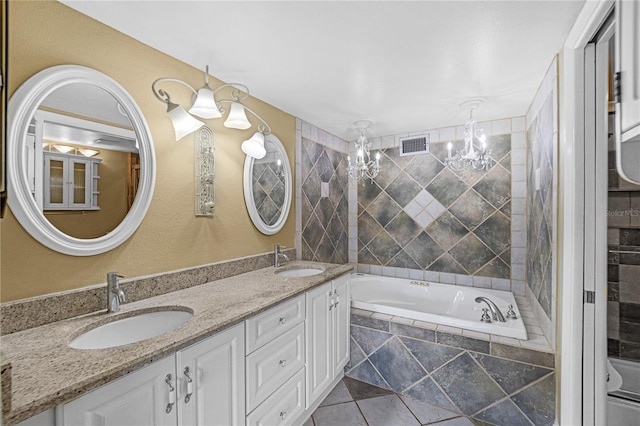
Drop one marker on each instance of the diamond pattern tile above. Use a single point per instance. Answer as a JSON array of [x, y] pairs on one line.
[[460, 221]]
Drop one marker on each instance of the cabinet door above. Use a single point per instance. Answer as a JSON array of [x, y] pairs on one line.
[[319, 341], [341, 324], [56, 182], [215, 395], [627, 59], [139, 398]]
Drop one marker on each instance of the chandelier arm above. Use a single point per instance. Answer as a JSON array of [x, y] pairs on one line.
[[235, 94], [161, 94]]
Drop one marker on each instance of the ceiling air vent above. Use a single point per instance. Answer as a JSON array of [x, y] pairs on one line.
[[412, 145]]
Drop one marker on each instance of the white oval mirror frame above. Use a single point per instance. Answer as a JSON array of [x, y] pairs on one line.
[[248, 190], [22, 106]]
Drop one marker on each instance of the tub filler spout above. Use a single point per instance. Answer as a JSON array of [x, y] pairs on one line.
[[495, 311]]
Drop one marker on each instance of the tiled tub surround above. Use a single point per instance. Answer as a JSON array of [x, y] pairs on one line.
[[36, 311], [492, 379], [422, 220], [541, 202], [445, 304], [321, 195], [46, 372]]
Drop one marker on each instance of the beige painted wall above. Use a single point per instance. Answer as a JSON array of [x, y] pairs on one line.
[[44, 34]]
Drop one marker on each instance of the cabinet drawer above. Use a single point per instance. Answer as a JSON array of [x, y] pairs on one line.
[[270, 366], [284, 407], [270, 324]]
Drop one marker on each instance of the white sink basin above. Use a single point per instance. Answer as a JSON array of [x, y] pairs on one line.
[[131, 329], [299, 272]]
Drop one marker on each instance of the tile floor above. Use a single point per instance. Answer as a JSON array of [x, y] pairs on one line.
[[354, 403]]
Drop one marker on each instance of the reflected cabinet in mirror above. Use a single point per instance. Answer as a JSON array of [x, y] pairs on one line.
[[81, 164], [267, 187]]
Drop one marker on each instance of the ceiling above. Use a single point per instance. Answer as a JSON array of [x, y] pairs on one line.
[[406, 66]]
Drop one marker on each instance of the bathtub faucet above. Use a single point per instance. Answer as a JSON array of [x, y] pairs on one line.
[[495, 311]]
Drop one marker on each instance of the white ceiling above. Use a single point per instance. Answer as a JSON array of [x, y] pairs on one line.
[[404, 65]]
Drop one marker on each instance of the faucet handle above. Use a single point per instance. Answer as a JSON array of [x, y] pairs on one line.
[[485, 315], [511, 314]]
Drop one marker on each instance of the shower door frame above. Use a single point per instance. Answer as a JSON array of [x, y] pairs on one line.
[[582, 366]]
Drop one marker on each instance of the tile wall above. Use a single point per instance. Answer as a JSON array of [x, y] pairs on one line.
[[321, 195], [541, 201], [422, 220], [510, 385], [623, 281]]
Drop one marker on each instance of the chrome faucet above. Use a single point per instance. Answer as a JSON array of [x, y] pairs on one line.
[[115, 295], [277, 254], [495, 311]]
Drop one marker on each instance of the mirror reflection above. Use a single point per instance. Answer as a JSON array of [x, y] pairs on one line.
[[82, 162], [268, 185]]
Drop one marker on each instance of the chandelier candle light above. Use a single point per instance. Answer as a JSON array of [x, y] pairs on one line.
[[364, 167], [472, 156]]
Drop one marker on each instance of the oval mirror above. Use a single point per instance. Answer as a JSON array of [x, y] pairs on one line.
[[80, 160], [267, 187]]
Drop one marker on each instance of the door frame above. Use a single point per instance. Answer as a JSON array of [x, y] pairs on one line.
[[574, 188]]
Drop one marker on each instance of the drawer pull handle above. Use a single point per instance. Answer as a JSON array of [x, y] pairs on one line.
[[283, 415], [283, 363], [172, 394], [283, 320], [187, 397]]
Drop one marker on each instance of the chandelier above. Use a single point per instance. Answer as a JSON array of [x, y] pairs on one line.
[[364, 167], [476, 155]]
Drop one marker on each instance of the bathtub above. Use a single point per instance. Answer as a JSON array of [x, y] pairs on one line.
[[433, 302], [623, 403]]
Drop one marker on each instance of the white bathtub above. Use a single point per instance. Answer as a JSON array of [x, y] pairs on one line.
[[623, 405], [433, 302]]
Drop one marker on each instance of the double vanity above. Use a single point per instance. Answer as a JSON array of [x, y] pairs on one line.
[[263, 347]]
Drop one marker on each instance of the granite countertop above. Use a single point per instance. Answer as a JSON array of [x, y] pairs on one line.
[[46, 372]]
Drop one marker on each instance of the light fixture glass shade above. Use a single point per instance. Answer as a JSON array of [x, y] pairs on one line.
[[237, 118], [254, 146], [64, 148], [88, 152], [183, 123], [205, 104]]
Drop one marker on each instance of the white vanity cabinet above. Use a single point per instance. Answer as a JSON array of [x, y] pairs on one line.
[[140, 398], [211, 380], [327, 326], [275, 364], [160, 394]]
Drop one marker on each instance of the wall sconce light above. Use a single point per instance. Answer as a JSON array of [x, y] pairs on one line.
[[206, 106], [475, 154]]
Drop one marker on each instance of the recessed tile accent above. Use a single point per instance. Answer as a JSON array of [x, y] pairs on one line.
[[446, 208], [324, 219], [370, 322], [411, 331], [544, 359], [462, 342]]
